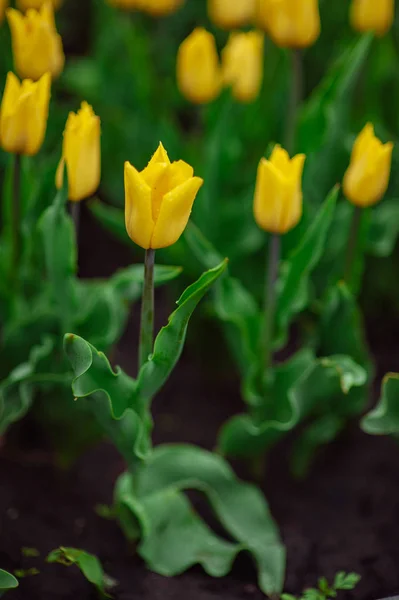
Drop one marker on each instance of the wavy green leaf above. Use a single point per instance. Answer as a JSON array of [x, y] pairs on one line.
[[7, 581], [150, 500], [169, 342], [303, 386], [384, 418]]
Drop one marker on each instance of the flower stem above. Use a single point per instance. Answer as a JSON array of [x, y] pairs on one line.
[[353, 244], [270, 298], [147, 309], [75, 214], [295, 99], [16, 214]]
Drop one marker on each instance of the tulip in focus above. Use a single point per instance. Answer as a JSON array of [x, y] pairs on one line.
[[198, 70], [81, 154], [37, 47], [3, 6], [372, 15], [230, 14], [23, 114], [367, 177], [158, 200], [278, 192], [242, 64], [36, 4], [290, 23]]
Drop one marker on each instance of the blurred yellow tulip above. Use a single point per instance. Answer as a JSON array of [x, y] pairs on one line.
[[242, 64], [3, 6], [24, 113], [198, 70], [372, 15], [229, 14], [36, 45], [159, 8], [278, 192], [290, 23], [81, 154], [158, 200], [36, 4], [367, 177]]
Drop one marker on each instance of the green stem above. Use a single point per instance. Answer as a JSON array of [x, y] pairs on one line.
[[353, 244], [147, 309], [295, 99], [75, 214], [16, 215], [270, 298]]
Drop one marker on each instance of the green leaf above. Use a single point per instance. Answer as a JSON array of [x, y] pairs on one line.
[[173, 535], [384, 418], [384, 228], [7, 581], [346, 581], [201, 247], [170, 340], [89, 565], [293, 282], [58, 234], [302, 385], [111, 396]]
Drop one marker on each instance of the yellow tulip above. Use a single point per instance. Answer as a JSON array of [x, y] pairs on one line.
[[159, 8], [23, 114], [158, 200], [81, 154], [242, 64], [367, 177], [37, 47], [36, 4], [198, 70], [278, 191], [230, 14], [290, 23], [372, 15], [3, 6]]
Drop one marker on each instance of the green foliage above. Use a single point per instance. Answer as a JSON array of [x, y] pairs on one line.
[[7, 581], [150, 504], [89, 565], [342, 581], [384, 418]]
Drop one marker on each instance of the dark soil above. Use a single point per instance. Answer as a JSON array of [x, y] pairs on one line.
[[343, 517]]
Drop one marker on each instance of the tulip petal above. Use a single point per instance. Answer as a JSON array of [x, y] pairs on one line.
[[269, 197], [174, 213], [138, 207]]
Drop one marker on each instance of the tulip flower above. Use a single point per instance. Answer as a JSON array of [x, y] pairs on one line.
[[159, 8], [278, 192], [372, 15], [198, 70], [290, 23], [242, 64], [158, 200], [81, 154], [36, 4], [37, 47], [23, 114], [230, 14], [3, 6], [367, 177]]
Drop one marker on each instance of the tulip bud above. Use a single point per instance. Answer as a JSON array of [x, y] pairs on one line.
[[159, 8], [81, 154], [36, 45], [158, 200], [3, 6], [230, 14], [23, 114], [36, 4], [372, 15], [242, 64], [198, 69], [290, 23], [278, 192], [367, 177]]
